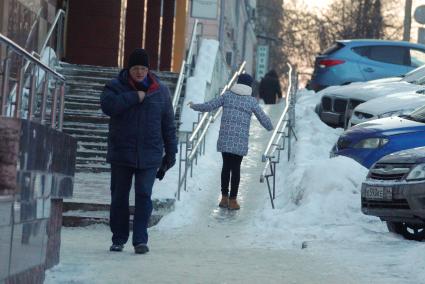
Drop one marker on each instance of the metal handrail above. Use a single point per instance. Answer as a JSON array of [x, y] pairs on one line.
[[12, 47], [198, 137], [59, 15], [19, 50], [284, 129], [186, 65], [276, 131]]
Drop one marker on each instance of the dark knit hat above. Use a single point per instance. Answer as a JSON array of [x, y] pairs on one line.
[[245, 79], [138, 57]]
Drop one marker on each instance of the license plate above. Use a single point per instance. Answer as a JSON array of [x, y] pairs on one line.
[[378, 192]]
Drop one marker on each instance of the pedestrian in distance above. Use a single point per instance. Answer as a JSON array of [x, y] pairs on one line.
[[141, 129], [269, 89], [238, 107]]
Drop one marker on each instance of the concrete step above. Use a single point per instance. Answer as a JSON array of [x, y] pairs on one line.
[[79, 214]]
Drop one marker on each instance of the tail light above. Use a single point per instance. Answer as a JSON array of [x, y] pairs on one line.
[[329, 62]]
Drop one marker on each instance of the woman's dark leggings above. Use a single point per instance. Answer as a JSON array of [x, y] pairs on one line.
[[231, 164]]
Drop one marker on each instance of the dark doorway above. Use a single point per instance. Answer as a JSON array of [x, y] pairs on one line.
[[93, 32]]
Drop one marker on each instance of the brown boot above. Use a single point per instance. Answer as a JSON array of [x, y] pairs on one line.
[[224, 203], [233, 204]]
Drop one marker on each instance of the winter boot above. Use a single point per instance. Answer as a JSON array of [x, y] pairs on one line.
[[141, 248], [233, 204], [224, 203], [116, 247]]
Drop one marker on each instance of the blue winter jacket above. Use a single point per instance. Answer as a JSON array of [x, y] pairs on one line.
[[138, 132], [238, 107]]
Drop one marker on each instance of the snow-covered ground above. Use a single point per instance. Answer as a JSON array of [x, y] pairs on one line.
[[316, 234]]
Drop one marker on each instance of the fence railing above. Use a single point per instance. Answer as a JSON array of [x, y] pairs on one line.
[[193, 143], [283, 132], [185, 69], [18, 65]]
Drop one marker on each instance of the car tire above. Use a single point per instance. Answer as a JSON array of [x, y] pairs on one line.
[[409, 231]]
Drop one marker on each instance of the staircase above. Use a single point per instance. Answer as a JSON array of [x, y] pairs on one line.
[[83, 117]]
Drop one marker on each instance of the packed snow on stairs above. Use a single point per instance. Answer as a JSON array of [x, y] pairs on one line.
[[198, 242]]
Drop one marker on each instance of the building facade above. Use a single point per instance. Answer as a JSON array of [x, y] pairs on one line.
[[233, 26]]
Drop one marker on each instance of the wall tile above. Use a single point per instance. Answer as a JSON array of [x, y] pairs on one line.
[[6, 207], [5, 237], [27, 245]]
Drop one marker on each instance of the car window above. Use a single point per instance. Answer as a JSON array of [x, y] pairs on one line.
[[333, 48], [362, 50], [418, 115], [388, 54], [417, 57], [415, 74]]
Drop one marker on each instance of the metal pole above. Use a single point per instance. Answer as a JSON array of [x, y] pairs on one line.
[[54, 106], [186, 161], [5, 84], [32, 93], [44, 98], [18, 95], [180, 170], [62, 107], [270, 193], [273, 168]]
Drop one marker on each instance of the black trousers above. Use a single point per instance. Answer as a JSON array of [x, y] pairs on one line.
[[121, 179], [231, 167]]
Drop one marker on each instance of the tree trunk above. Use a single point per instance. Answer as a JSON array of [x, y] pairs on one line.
[[407, 20]]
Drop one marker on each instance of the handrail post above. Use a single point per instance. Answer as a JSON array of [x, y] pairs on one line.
[[44, 99], [32, 93], [18, 99], [54, 106], [61, 106], [5, 83]]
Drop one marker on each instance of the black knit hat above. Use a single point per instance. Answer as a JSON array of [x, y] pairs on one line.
[[138, 57], [245, 79]]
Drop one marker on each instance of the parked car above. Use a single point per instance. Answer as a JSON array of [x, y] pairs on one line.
[[392, 105], [348, 61], [394, 191], [337, 103], [369, 141]]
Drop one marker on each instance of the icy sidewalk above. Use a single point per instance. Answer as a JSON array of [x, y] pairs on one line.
[[198, 243]]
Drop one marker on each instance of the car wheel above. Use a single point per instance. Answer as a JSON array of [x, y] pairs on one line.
[[409, 231]]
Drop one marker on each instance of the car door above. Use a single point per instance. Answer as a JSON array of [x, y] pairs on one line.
[[382, 61]]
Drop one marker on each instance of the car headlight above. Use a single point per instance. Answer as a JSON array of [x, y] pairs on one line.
[[371, 143], [396, 113], [417, 173]]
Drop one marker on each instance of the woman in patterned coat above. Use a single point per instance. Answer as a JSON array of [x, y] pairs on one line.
[[238, 107]]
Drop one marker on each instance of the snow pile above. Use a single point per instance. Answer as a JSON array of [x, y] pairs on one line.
[[313, 191], [196, 86]]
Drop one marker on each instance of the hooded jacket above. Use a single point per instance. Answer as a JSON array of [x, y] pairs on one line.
[[238, 107], [138, 132]]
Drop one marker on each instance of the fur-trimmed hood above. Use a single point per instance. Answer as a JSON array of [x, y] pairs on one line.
[[241, 89]]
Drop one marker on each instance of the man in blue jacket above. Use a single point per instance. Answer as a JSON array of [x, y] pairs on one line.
[[141, 127]]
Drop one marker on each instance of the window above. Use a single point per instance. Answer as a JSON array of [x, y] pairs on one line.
[[362, 50], [417, 57], [389, 54]]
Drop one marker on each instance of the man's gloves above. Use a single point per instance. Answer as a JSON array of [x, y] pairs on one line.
[[168, 162]]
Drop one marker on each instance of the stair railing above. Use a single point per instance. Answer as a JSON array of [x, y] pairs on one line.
[[51, 78], [58, 25], [194, 143], [185, 69], [283, 132]]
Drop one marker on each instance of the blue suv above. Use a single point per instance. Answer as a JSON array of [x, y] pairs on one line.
[[369, 141], [362, 60]]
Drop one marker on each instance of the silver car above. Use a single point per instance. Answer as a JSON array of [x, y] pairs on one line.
[[337, 103], [394, 191]]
